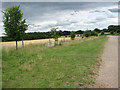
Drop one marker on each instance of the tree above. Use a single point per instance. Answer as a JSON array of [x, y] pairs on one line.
[[112, 28], [23, 28], [14, 24], [72, 35], [55, 34], [118, 29]]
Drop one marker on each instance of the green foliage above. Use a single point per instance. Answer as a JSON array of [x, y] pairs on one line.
[[79, 32], [105, 30], [87, 33], [118, 31], [111, 32], [31, 36], [94, 33], [82, 35], [72, 35], [14, 24], [102, 33], [54, 33], [97, 30], [60, 33], [114, 28]]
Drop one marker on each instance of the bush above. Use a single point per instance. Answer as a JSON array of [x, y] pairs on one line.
[[82, 35], [102, 33], [87, 33], [94, 33], [72, 34], [90, 33], [111, 32]]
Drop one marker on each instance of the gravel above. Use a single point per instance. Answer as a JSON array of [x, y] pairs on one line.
[[108, 74]]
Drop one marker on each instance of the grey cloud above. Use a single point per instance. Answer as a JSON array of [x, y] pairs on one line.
[[114, 10], [97, 11], [100, 18], [51, 25], [109, 14], [72, 14], [96, 19], [35, 12], [73, 21], [65, 22], [94, 11]]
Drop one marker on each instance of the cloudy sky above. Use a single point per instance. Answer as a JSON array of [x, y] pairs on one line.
[[42, 16]]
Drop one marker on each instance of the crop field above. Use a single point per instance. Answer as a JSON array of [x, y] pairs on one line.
[[12, 44], [72, 64]]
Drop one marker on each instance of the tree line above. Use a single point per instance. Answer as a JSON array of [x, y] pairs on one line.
[[112, 29], [40, 35]]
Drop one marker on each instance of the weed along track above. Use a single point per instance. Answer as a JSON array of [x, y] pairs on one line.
[[68, 65]]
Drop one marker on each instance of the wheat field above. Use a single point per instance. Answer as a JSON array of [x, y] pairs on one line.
[[12, 44]]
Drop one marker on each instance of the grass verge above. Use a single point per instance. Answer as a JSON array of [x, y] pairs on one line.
[[70, 65]]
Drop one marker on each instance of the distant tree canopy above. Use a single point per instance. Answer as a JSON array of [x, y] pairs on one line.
[[14, 24], [66, 33], [79, 32], [97, 30], [39, 35], [114, 29], [45, 35], [105, 30]]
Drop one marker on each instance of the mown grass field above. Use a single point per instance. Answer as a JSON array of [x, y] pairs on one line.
[[71, 65]]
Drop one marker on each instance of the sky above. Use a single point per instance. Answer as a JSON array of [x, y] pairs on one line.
[[72, 16]]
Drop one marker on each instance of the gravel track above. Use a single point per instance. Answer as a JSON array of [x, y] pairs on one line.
[[108, 74]]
